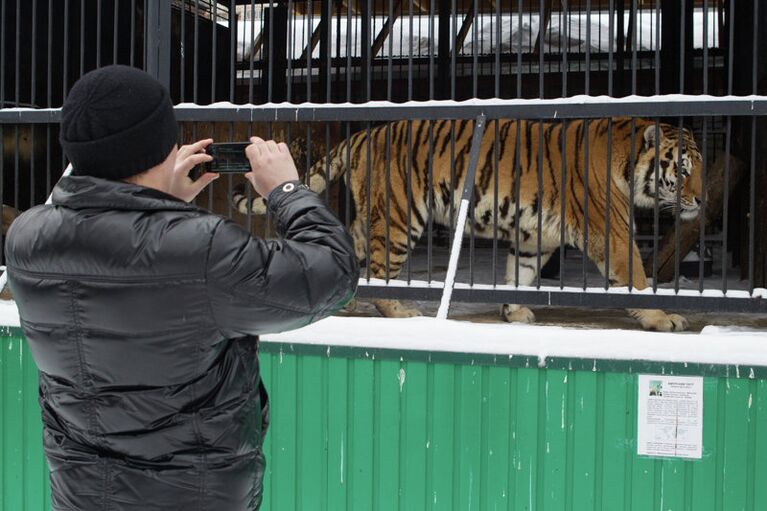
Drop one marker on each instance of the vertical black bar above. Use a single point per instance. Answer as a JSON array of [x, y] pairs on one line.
[[82, 35], [609, 195], [309, 21], [253, 51], [519, 57], [348, 174], [475, 51], [348, 60], [563, 197], [387, 193], [682, 46], [252, 45], [324, 82], [195, 78], [132, 32], [2, 61], [539, 240], [432, 76], [620, 43], [98, 35], [584, 261], [657, 47], [634, 56], [517, 190], [233, 26], [367, 197], [677, 209], [409, 188], [33, 72], [65, 46], [588, 50], [214, 52], [752, 182], [17, 69], [390, 71], [726, 188], [183, 53], [365, 50], [158, 41], [705, 52], [632, 171], [453, 53], [656, 206], [410, 70], [327, 163], [496, 158], [565, 34], [702, 211], [430, 220], [541, 89], [115, 30], [443, 56]]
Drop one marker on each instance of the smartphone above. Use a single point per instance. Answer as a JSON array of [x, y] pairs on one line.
[[228, 158]]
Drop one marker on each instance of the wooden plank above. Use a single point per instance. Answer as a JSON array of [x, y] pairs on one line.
[[384, 33]]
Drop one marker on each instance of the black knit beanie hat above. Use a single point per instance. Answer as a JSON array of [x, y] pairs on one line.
[[117, 122]]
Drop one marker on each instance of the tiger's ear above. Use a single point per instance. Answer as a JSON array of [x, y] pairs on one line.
[[651, 136]]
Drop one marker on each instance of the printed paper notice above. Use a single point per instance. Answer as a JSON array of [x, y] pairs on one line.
[[670, 416]]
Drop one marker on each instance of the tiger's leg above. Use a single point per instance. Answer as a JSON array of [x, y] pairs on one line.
[[360, 249], [528, 269], [650, 319], [399, 237]]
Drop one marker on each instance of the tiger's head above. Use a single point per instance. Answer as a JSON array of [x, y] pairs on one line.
[[665, 144]]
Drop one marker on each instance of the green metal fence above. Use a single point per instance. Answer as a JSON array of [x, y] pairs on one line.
[[356, 429]]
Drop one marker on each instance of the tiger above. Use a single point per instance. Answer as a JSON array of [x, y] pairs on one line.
[[633, 144]]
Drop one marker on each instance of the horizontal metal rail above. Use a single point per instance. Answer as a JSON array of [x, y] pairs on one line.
[[569, 298], [578, 107]]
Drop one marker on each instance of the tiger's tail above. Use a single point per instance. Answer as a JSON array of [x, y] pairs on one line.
[[326, 170]]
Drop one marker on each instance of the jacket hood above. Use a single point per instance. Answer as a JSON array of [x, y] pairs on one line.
[[88, 192]]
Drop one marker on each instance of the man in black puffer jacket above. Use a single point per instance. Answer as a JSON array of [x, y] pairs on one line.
[[142, 311]]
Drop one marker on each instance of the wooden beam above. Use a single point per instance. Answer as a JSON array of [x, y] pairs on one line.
[[313, 43], [381, 37], [465, 27], [543, 26]]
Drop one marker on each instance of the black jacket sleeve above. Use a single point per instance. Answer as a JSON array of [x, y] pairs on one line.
[[258, 286]]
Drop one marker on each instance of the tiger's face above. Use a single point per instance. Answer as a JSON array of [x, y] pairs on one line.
[[669, 173]]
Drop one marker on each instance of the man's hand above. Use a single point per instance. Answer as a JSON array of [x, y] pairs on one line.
[[188, 157], [272, 165]]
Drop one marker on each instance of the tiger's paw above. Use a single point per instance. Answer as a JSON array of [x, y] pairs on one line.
[[395, 309], [351, 306], [517, 314], [662, 322], [241, 202]]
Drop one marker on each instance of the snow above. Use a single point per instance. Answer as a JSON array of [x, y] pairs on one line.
[[715, 345], [721, 345], [436, 105]]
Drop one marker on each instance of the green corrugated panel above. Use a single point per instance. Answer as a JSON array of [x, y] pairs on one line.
[[23, 474], [394, 431]]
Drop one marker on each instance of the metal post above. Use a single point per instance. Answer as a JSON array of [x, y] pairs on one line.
[[468, 191], [157, 47]]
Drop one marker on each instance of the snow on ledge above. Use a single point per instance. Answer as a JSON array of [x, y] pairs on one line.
[[714, 345]]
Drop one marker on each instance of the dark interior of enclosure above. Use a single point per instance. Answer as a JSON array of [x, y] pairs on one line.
[[356, 51]]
